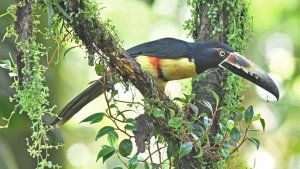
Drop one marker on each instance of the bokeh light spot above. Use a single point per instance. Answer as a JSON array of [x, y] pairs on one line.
[[279, 57], [296, 87], [263, 160], [165, 7], [78, 155], [281, 62]]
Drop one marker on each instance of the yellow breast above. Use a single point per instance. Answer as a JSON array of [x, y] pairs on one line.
[[164, 70], [180, 68]]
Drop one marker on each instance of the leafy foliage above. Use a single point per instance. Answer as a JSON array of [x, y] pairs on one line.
[[105, 153], [185, 149], [183, 135], [234, 29], [94, 118], [194, 136]]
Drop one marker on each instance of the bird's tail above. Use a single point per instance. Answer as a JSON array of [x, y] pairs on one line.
[[76, 104]]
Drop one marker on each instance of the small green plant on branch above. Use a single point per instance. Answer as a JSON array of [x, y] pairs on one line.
[[227, 21], [31, 94]]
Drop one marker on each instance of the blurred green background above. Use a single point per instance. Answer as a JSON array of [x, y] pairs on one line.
[[275, 46]]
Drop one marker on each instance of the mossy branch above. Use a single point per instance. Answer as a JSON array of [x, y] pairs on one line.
[[98, 37]]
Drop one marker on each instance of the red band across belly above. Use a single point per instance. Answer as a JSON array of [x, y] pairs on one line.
[[155, 62]]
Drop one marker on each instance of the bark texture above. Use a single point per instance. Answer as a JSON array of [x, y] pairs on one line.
[[23, 26]]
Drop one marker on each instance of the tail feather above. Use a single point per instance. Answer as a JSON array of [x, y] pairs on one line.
[[76, 104]]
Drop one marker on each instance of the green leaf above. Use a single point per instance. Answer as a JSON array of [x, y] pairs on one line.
[[99, 69], [125, 147], [114, 92], [225, 153], [207, 104], [230, 124], [207, 122], [249, 114], [235, 134], [105, 151], [254, 140], [238, 117], [6, 64], [215, 96], [241, 109], [108, 155], [172, 113], [230, 109], [130, 127], [221, 127], [157, 112], [175, 122], [197, 129], [207, 142], [185, 149], [112, 106], [194, 108], [196, 138], [112, 138], [103, 131], [172, 150], [132, 163], [256, 117], [146, 165], [218, 138], [189, 96], [94, 118], [62, 11], [131, 121], [69, 49], [200, 153], [263, 123]]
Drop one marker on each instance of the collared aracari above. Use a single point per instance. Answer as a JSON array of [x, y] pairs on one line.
[[172, 59]]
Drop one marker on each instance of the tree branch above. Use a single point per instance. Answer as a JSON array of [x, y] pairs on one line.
[[95, 35]]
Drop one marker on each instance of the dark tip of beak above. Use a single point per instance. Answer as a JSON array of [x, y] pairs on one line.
[[256, 75]]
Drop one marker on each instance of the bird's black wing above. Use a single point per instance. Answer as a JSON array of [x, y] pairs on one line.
[[166, 48]]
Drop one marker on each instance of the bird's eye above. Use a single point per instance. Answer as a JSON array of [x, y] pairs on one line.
[[222, 53]]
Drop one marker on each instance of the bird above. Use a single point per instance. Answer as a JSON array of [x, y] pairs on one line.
[[170, 59]]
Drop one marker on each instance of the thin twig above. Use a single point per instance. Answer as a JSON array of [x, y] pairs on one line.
[[159, 154], [129, 102], [150, 154]]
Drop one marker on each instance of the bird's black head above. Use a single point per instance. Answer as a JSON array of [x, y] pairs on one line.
[[208, 55]]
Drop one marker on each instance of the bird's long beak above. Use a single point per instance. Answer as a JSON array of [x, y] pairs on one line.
[[243, 67]]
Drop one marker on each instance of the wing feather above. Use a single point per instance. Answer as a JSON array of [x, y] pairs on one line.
[[166, 48]]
